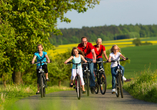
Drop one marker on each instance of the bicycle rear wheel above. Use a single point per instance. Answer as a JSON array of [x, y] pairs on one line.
[[41, 85], [103, 84], [120, 84], [117, 86], [78, 87]]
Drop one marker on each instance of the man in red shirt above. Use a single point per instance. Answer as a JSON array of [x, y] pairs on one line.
[[88, 50]]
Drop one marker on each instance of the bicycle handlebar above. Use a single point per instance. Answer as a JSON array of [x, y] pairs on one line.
[[101, 61], [38, 62], [73, 63], [119, 60], [87, 62]]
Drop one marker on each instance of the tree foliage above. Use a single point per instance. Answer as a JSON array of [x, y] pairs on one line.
[[26, 23]]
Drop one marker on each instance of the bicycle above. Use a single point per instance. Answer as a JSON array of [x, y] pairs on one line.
[[100, 79], [86, 75], [42, 79], [77, 81], [119, 78]]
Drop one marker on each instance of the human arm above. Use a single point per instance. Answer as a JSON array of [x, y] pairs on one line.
[[122, 57], [34, 59], [104, 52], [48, 60], [68, 59], [83, 59], [109, 59], [94, 56]]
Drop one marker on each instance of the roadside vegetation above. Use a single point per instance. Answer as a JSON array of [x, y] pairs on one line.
[[143, 86]]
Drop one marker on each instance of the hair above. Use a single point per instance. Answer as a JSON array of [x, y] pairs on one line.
[[83, 37], [79, 51], [113, 48], [99, 39], [40, 45]]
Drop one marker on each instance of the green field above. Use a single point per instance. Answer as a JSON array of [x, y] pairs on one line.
[[141, 58]]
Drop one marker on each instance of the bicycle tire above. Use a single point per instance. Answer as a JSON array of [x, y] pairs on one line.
[[44, 89], [78, 87], [87, 79], [103, 84], [96, 88], [120, 84], [117, 86], [41, 86]]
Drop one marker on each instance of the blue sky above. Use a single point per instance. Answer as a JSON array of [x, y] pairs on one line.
[[114, 12]]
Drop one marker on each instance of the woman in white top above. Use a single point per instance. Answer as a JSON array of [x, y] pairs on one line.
[[115, 55]]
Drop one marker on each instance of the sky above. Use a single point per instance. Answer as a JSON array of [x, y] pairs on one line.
[[114, 12]]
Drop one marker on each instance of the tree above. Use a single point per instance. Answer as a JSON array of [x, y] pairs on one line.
[[137, 42], [58, 70], [32, 21]]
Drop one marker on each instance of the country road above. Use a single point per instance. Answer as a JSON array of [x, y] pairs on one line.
[[67, 100]]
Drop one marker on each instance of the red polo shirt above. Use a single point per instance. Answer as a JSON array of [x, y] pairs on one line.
[[86, 50], [99, 53]]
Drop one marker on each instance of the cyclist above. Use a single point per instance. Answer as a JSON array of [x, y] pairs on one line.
[[76, 58], [89, 53], [41, 57], [115, 55], [99, 50]]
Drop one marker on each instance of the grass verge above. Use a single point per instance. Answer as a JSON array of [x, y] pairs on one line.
[[12, 93], [144, 86]]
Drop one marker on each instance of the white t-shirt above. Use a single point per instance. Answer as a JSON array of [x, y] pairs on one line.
[[114, 57]]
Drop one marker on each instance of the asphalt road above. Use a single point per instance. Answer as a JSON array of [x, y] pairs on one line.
[[67, 100]]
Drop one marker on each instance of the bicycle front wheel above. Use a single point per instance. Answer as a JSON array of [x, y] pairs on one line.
[[87, 84], [78, 87], [41, 85], [103, 84], [96, 88], [120, 84], [117, 86]]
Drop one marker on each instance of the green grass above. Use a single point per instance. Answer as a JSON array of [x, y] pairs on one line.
[[141, 58], [12, 93], [144, 86]]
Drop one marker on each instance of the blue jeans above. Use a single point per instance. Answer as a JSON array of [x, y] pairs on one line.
[[100, 64], [113, 71], [92, 77]]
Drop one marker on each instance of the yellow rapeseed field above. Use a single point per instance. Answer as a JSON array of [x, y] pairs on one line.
[[108, 44]]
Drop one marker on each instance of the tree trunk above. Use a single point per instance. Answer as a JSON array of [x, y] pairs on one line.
[[59, 83], [17, 78], [4, 81]]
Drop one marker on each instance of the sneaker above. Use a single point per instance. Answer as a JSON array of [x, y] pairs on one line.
[[124, 79], [37, 92], [83, 92], [47, 79], [114, 91], [127, 80]]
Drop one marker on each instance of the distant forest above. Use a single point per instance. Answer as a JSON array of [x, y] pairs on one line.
[[112, 32]]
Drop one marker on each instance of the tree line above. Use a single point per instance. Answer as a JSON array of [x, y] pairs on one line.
[[112, 32]]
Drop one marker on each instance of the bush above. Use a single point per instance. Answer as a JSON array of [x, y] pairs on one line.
[[144, 87], [137, 42]]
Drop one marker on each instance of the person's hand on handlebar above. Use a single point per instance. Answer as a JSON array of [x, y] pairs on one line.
[[94, 60], [48, 61], [65, 62]]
